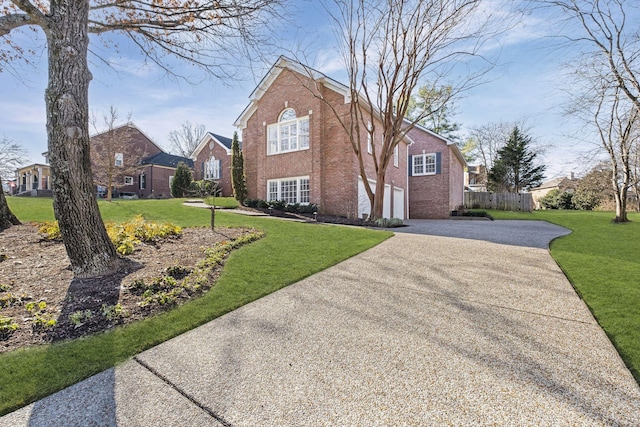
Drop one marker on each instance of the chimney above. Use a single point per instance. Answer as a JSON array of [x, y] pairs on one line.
[[570, 176]]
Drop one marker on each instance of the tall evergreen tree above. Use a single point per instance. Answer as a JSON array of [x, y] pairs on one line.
[[181, 180], [514, 169], [237, 171]]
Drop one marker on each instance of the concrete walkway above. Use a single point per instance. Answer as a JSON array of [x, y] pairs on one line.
[[420, 330]]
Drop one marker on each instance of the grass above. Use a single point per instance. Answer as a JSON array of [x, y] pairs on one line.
[[602, 261], [289, 252]]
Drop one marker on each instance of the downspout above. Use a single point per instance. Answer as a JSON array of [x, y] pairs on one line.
[[407, 178]]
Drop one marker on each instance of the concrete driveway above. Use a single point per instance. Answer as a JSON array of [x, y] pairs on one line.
[[421, 330]]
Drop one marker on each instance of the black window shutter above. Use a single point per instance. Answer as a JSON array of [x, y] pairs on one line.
[[410, 165], [438, 163]]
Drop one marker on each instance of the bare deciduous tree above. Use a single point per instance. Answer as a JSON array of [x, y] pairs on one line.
[[390, 47], [113, 156], [615, 120], [608, 30], [12, 155], [185, 140], [200, 31], [608, 99]]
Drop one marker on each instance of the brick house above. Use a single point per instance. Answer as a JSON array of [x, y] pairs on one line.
[[143, 168], [436, 175], [295, 149], [212, 161], [156, 173]]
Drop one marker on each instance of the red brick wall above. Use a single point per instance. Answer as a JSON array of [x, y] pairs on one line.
[[158, 182], [434, 196], [329, 162], [220, 153]]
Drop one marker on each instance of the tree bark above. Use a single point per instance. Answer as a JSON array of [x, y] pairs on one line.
[[86, 241], [7, 218]]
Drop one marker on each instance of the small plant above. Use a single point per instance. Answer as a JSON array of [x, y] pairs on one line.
[[113, 312], [41, 319], [389, 223], [8, 300], [80, 317], [7, 327], [3, 257], [35, 307], [178, 272], [44, 321], [4, 287], [50, 230]]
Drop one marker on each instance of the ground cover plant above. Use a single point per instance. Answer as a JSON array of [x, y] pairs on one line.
[[289, 252], [600, 258]]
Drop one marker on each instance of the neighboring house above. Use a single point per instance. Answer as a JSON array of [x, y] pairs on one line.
[[156, 174], [475, 178], [436, 175], [33, 180], [212, 161], [565, 183], [296, 150], [144, 170]]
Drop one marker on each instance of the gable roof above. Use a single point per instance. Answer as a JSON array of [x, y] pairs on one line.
[[223, 141], [130, 125], [286, 63], [281, 64], [562, 183], [168, 160], [452, 145]]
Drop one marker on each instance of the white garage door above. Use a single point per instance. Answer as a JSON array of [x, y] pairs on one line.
[[364, 206], [398, 203]]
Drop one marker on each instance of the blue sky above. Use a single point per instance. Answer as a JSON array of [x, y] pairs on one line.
[[526, 84]]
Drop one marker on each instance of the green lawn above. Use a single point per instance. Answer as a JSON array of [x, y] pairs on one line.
[[602, 261], [289, 252]]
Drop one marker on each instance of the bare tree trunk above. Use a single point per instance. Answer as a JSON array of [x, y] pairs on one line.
[[76, 209], [7, 218], [378, 203]]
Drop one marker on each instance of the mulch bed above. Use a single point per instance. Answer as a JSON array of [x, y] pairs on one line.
[[34, 270]]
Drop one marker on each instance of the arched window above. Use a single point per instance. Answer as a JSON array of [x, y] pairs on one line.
[[289, 134], [288, 115]]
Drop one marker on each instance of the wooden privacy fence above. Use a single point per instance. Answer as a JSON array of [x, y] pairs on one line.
[[500, 201]]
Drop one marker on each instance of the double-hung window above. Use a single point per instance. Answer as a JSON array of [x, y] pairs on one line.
[[119, 162], [289, 134], [212, 169], [424, 164], [291, 190]]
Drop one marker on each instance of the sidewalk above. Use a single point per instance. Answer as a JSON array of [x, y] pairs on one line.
[[420, 330]]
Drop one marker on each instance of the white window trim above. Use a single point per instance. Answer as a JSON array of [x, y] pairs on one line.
[[396, 155], [424, 164], [128, 180], [278, 126], [279, 181], [212, 169]]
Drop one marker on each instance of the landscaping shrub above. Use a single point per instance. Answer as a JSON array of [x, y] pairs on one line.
[[557, 199], [125, 236], [181, 180]]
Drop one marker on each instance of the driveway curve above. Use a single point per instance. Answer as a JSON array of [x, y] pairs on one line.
[[420, 330], [534, 234]]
